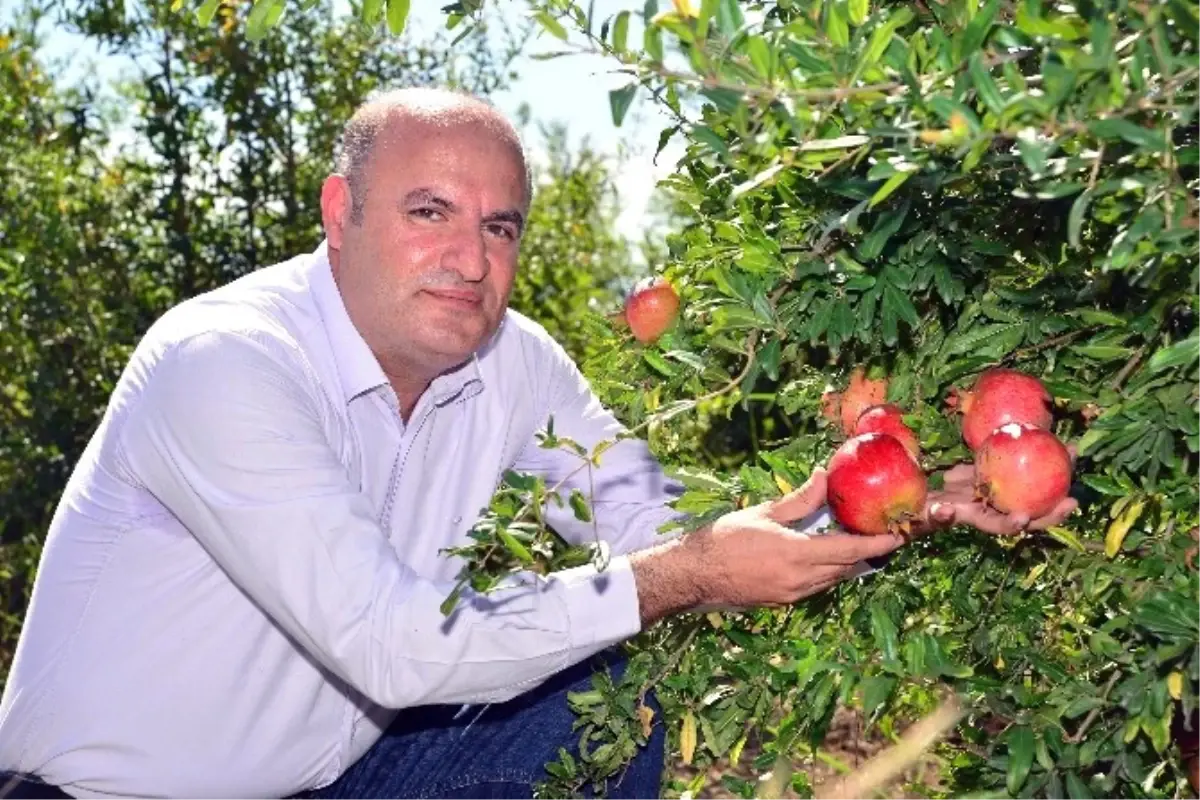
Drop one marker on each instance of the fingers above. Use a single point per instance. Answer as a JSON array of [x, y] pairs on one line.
[[987, 519], [800, 503], [1056, 517]]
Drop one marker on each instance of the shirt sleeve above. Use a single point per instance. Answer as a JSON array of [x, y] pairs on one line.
[[630, 492], [229, 434]]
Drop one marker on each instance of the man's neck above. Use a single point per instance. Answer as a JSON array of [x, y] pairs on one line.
[[407, 394]]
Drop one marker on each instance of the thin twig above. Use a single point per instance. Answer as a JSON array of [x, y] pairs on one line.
[[1095, 712], [1053, 341], [1129, 367], [672, 662], [1096, 168]]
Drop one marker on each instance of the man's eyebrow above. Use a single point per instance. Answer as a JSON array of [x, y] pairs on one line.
[[420, 196], [510, 216]]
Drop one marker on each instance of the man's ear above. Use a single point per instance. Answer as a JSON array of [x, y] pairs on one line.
[[335, 208]]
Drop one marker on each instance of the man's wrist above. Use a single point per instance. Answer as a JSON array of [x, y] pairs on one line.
[[669, 578]]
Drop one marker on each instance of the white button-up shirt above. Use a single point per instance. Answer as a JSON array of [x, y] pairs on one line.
[[241, 582]]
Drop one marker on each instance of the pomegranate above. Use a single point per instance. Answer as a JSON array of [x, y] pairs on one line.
[[1001, 396], [861, 394], [651, 309], [888, 418], [875, 485], [1023, 469]]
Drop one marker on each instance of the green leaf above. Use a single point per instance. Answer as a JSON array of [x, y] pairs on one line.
[[989, 93], [1066, 537], [579, 505], [709, 137], [619, 101], [1119, 128], [885, 226], [976, 32], [760, 55], [1075, 218], [620, 31], [1186, 351], [882, 36], [397, 16], [552, 25], [1080, 706], [1077, 789], [729, 17], [901, 305], [208, 10], [970, 341], [1102, 352], [876, 689], [658, 362], [884, 631], [889, 186], [835, 24], [262, 18], [516, 548], [1033, 152], [858, 10], [1020, 757]]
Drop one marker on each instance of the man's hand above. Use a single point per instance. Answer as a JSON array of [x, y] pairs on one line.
[[956, 504], [750, 558]]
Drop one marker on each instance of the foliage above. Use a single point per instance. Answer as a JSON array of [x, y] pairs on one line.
[[934, 190], [929, 189]]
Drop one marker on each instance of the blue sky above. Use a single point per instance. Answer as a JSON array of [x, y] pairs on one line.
[[572, 89]]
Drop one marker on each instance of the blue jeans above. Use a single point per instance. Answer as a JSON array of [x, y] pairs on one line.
[[501, 752]]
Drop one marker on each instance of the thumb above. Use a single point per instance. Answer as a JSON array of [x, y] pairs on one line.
[[800, 503]]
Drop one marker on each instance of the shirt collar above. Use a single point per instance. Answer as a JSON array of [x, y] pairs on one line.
[[358, 369]]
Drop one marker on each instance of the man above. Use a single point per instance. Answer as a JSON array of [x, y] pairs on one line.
[[239, 592]]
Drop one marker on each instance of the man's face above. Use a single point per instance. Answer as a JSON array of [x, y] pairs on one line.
[[427, 271]]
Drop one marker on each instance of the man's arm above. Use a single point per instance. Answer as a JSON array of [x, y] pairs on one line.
[[228, 435]]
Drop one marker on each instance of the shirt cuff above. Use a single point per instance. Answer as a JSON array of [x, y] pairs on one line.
[[602, 607]]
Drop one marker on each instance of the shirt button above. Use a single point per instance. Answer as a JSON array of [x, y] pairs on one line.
[[457, 520]]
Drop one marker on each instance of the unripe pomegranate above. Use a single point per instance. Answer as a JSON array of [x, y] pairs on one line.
[[1001, 396], [888, 418], [651, 309], [875, 486], [1022, 469], [861, 394]]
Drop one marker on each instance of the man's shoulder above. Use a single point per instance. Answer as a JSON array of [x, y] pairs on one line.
[[269, 310]]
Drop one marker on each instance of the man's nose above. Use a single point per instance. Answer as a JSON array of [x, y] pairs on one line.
[[467, 255]]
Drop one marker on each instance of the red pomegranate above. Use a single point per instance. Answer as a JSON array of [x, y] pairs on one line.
[[875, 485], [888, 418], [1001, 396], [1023, 469], [651, 309], [861, 394]]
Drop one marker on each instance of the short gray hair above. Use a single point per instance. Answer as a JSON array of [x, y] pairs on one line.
[[436, 106]]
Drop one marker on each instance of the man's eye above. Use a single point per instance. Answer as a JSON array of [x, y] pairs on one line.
[[501, 231], [428, 213]]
